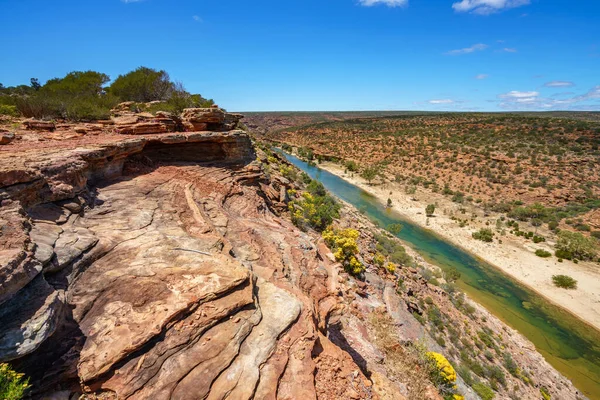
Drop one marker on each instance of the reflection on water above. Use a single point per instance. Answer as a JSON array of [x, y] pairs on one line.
[[568, 344]]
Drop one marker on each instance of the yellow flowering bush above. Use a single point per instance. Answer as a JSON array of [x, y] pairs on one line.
[[343, 244], [443, 367], [390, 267], [379, 259], [12, 384]]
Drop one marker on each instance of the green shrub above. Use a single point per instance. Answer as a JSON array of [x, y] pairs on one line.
[[545, 394], [351, 166], [576, 245], [394, 228], [465, 374], [12, 384], [370, 173], [564, 281], [142, 85], [484, 234], [510, 364], [484, 391], [543, 253], [10, 110], [315, 209], [429, 210], [596, 234], [538, 239], [583, 227]]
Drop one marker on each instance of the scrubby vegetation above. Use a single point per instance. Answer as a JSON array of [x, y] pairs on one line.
[[573, 245], [484, 234], [315, 209], [519, 165], [12, 384], [564, 281], [543, 253], [87, 95]]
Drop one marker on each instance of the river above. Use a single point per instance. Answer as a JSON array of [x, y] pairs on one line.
[[567, 343]]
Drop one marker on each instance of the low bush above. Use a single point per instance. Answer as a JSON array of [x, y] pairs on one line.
[[10, 110], [543, 253], [564, 281], [484, 234], [484, 391]]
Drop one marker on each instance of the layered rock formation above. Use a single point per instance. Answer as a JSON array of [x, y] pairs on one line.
[[154, 268], [162, 267]]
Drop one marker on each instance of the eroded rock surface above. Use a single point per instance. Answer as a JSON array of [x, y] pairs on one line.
[[161, 267], [156, 268]]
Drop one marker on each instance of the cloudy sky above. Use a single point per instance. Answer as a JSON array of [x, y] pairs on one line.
[[324, 54]]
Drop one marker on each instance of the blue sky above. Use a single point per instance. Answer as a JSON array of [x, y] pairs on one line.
[[323, 54]]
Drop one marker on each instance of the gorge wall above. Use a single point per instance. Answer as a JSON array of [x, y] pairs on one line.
[[161, 266]]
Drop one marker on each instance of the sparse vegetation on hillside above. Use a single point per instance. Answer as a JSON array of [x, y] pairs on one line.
[[484, 234], [540, 170]]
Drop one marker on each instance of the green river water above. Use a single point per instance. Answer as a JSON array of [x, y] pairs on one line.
[[570, 345]]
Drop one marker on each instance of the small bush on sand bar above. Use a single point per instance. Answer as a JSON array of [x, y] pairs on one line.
[[564, 281]]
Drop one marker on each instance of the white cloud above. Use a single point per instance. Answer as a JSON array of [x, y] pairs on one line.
[[482, 76], [559, 84], [131, 1], [516, 100], [389, 3], [509, 50], [467, 50], [441, 101], [515, 94], [486, 7], [197, 18]]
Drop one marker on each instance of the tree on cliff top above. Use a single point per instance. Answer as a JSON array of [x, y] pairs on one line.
[[143, 85]]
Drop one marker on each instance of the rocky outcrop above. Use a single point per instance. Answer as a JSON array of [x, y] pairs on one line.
[[191, 120], [146, 123], [36, 125], [6, 137], [200, 119], [154, 268]]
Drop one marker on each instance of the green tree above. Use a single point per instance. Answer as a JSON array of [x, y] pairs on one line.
[[429, 210], [78, 95], [369, 173], [35, 84], [351, 166], [576, 245], [143, 85]]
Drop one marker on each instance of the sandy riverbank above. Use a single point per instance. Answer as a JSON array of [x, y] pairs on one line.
[[514, 256]]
